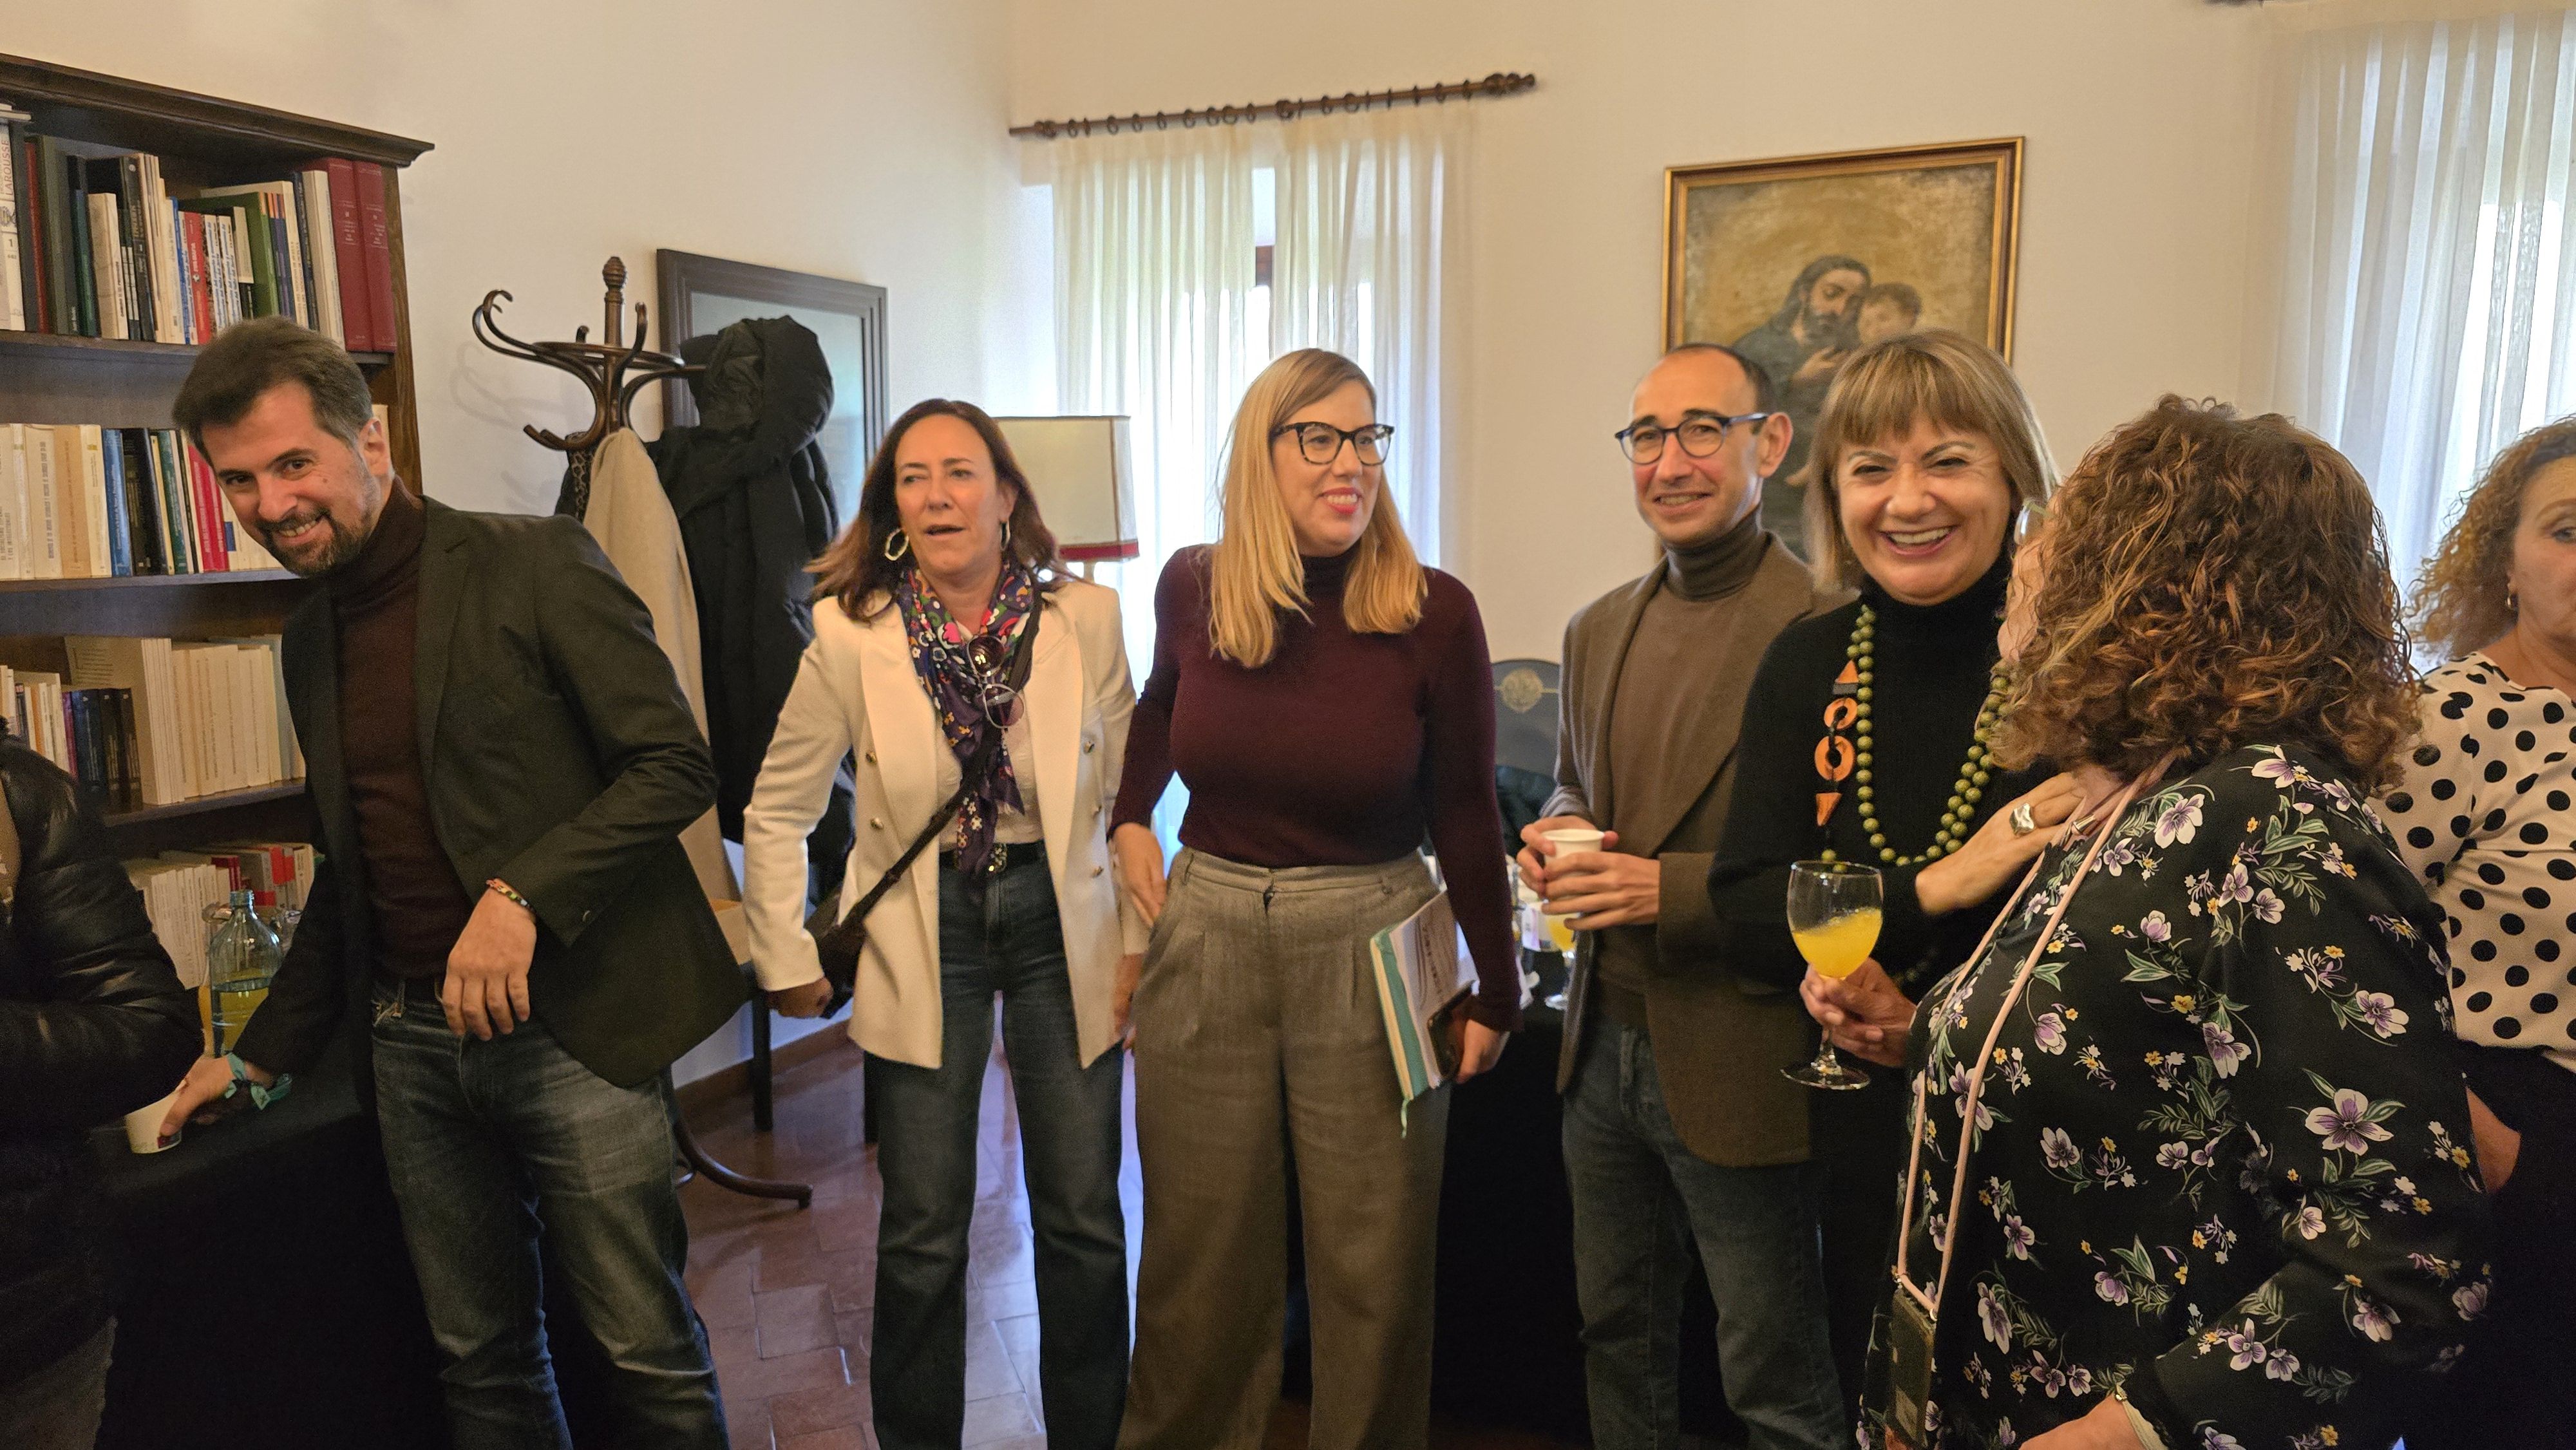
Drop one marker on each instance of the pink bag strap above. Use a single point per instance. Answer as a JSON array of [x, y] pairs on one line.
[[2110, 819]]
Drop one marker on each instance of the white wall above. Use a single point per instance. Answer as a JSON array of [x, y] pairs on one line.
[[857, 138], [2135, 256], [860, 140]]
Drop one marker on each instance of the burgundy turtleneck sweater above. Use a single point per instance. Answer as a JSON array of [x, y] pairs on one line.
[[1343, 750], [419, 906]]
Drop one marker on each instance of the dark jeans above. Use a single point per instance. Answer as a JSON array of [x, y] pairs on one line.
[[1005, 940], [489, 1143], [1640, 1199], [58, 1407]]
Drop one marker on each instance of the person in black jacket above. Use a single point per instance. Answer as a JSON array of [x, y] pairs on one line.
[[93, 1024], [502, 762]]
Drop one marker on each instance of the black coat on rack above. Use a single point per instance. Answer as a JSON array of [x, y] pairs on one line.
[[754, 500]]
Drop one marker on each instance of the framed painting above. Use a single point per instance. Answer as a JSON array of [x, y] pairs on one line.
[[701, 295], [1797, 261]]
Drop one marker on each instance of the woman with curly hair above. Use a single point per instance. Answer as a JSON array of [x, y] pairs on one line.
[[2483, 813], [2216, 1189]]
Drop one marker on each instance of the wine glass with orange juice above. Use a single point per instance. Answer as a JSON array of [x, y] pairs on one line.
[[1834, 911]]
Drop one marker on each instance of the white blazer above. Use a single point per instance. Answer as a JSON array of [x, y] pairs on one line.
[[856, 689]]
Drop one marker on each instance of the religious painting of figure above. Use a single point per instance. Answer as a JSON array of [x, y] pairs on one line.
[[1796, 262]]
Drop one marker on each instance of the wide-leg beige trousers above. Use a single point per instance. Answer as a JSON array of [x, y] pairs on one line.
[[1258, 1036]]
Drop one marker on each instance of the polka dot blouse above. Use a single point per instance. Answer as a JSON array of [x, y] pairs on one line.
[[2487, 815]]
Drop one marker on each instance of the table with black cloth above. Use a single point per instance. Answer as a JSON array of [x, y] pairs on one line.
[[265, 1295]]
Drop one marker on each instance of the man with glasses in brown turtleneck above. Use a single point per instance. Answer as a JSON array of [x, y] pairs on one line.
[[1679, 1128]]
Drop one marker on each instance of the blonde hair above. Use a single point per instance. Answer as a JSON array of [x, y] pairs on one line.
[[1936, 376], [2460, 596], [1254, 571]]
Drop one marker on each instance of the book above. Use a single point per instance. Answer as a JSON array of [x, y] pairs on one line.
[[207, 503], [171, 478], [321, 254], [200, 287], [142, 502], [161, 241], [376, 223], [106, 264], [117, 542], [79, 256], [54, 209], [14, 277], [254, 265], [31, 226], [349, 259], [70, 519], [1420, 966], [13, 501], [44, 520]]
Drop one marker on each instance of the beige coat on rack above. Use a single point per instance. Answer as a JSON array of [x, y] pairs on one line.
[[631, 518]]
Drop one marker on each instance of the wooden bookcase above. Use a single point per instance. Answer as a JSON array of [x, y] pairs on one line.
[[47, 378]]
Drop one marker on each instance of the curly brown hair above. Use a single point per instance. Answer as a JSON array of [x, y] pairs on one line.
[[2213, 582], [2460, 597]]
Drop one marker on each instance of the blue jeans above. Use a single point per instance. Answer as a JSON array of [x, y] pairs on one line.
[[490, 1143], [1640, 1198], [1005, 940]]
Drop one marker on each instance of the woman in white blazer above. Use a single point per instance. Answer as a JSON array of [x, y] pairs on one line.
[[920, 605]]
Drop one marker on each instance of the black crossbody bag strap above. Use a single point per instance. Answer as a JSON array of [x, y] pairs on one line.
[[839, 946]]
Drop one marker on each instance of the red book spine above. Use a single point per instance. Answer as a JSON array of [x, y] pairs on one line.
[[378, 225], [201, 295], [213, 557], [348, 241], [31, 229]]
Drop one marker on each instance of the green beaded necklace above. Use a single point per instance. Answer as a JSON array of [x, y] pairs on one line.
[[1974, 773]]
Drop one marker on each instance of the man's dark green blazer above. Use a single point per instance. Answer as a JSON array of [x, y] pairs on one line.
[[560, 756]]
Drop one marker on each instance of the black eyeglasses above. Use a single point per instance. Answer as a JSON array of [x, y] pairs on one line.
[[1321, 443], [1701, 434]]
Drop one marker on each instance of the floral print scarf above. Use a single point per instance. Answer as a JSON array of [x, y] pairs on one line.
[[958, 667]]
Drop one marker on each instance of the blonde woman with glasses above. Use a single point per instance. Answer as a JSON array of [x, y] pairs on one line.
[[1329, 702]]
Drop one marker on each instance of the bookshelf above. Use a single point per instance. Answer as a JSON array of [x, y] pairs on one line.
[[115, 383]]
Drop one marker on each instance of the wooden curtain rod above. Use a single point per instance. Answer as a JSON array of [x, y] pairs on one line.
[[1498, 84]]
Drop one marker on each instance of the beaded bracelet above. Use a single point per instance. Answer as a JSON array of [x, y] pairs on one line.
[[510, 895]]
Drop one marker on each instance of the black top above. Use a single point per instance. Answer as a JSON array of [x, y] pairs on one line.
[[1932, 669], [420, 907]]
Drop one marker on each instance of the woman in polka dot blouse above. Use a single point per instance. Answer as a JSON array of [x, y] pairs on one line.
[[2487, 813]]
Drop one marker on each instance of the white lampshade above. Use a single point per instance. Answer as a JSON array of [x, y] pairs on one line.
[[1079, 469]]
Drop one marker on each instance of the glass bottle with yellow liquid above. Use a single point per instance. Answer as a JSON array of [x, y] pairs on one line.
[[1834, 909]]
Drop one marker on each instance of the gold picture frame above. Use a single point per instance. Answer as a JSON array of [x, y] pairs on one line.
[[1906, 237]]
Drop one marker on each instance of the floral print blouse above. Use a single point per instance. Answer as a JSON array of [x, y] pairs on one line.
[[2221, 1159]]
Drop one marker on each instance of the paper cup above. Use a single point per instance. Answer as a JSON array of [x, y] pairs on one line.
[[143, 1126], [1572, 839]]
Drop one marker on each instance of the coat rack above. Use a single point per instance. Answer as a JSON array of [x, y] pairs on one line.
[[613, 370]]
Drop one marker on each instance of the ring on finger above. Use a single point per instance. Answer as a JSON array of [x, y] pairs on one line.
[[2021, 820]]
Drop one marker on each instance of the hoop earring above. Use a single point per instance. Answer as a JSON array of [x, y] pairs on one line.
[[897, 545], [2512, 602], [1006, 536]]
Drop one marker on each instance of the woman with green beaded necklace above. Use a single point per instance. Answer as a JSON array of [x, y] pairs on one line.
[[1865, 735]]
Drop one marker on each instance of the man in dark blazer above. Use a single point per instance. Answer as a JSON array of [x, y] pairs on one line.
[[1678, 1124], [502, 761]]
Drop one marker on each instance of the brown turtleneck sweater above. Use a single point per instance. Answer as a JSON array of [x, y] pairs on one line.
[[419, 906], [1666, 665]]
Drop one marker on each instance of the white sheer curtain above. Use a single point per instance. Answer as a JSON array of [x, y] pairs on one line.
[[1369, 262], [2429, 307], [1154, 270]]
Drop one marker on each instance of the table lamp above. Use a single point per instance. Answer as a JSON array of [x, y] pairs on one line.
[[1081, 471]]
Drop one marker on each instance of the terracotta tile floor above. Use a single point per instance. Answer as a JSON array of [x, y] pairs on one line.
[[786, 1293]]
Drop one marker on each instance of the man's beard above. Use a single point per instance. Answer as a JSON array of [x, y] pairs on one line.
[[1826, 329], [325, 549]]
